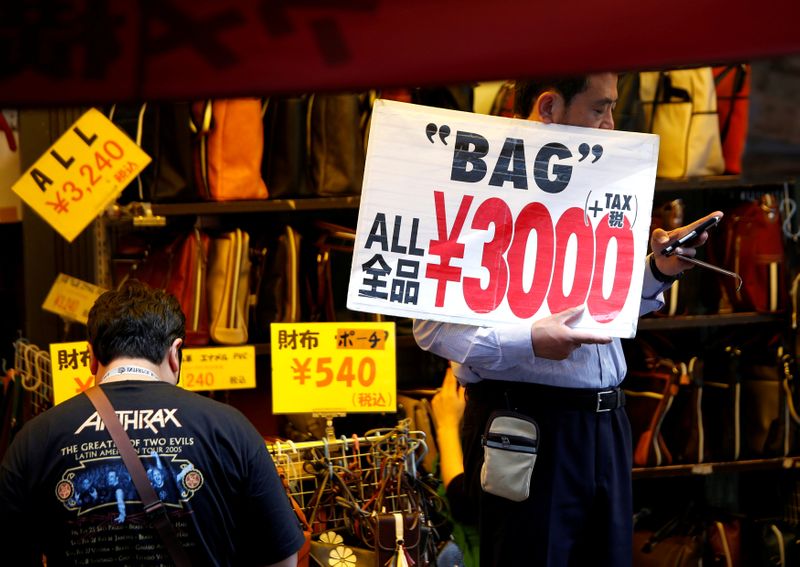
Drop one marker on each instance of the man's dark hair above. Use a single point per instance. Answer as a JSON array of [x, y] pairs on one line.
[[527, 91], [135, 321]]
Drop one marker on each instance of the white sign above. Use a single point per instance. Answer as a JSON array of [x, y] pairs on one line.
[[486, 220]]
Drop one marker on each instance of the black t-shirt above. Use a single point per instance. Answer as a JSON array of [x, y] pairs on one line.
[[65, 492]]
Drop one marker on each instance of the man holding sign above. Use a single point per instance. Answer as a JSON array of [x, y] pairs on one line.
[[63, 475], [573, 437]]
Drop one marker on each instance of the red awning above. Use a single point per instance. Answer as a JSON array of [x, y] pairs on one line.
[[94, 51]]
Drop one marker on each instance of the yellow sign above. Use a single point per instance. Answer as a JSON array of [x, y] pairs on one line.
[[71, 298], [81, 174], [70, 369], [211, 368], [219, 368], [333, 368]]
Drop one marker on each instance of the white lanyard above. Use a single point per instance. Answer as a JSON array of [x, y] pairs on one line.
[[140, 373]]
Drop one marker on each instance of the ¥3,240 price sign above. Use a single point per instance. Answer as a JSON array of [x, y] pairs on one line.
[[333, 368], [81, 174]]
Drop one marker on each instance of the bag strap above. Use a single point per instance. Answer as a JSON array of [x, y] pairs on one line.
[[154, 508]]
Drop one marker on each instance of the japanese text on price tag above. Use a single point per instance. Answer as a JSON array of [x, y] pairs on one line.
[[81, 174], [211, 368], [486, 220], [70, 369], [218, 368], [333, 367], [71, 298]]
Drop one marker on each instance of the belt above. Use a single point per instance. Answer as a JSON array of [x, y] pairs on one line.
[[519, 395]]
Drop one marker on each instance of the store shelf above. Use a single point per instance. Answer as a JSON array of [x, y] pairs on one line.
[[705, 469], [262, 206], [716, 182], [699, 321]]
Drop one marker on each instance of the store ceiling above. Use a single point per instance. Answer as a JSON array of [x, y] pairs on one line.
[[97, 51]]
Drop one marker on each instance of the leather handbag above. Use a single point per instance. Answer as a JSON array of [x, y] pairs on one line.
[[336, 143], [285, 164], [397, 539], [751, 244], [725, 543], [229, 146], [279, 291], [683, 429], [718, 374], [681, 107], [649, 394], [178, 267], [733, 103], [678, 543], [768, 413], [163, 131], [228, 284]]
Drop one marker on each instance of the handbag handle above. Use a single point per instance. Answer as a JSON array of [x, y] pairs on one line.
[[154, 508]]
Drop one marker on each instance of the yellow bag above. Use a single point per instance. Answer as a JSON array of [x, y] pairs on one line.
[[681, 107], [229, 287]]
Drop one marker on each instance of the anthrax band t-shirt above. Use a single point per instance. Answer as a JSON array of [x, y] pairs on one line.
[[65, 491]]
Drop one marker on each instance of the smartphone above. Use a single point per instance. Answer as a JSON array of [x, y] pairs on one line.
[[689, 236]]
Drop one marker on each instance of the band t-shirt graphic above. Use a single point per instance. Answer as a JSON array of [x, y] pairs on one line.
[[205, 461]]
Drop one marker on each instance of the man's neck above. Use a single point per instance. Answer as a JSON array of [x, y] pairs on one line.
[[125, 369]]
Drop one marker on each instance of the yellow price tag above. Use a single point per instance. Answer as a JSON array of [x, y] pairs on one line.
[[218, 368], [212, 368], [81, 174], [71, 298], [70, 370], [333, 367]]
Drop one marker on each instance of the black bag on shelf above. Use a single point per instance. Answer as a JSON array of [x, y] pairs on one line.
[[163, 131], [768, 416], [718, 373]]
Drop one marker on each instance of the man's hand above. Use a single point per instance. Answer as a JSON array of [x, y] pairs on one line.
[[553, 338], [672, 265], [448, 403]]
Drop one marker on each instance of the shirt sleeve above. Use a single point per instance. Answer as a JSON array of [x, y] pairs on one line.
[[493, 348], [652, 291], [271, 525]]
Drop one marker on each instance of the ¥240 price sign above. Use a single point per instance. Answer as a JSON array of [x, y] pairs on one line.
[[484, 220], [81, 174], [218, 368], [333, 367]]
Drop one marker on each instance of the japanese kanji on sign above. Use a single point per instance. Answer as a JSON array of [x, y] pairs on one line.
[[486, 220], [333, 368], [81, 174]]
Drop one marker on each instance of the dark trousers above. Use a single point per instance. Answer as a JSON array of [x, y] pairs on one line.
[[579, 512]]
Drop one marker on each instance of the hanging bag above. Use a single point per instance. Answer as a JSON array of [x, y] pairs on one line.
[[228, 285], [733, 103], [229, 143], [681, 107]]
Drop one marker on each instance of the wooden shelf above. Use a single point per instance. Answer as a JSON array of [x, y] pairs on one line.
[[705, 469], [700, 321], [716, 182], [263, 206]]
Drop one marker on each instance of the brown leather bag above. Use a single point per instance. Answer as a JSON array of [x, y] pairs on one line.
[[229, 146], [649, 394], [752, 246], [397, 534]]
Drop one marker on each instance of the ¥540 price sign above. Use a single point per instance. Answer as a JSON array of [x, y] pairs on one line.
[[333, 367], [81, 174]]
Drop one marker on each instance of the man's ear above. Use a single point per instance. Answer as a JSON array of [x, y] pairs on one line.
[[93, 363], [549, 107], [174, 355]]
